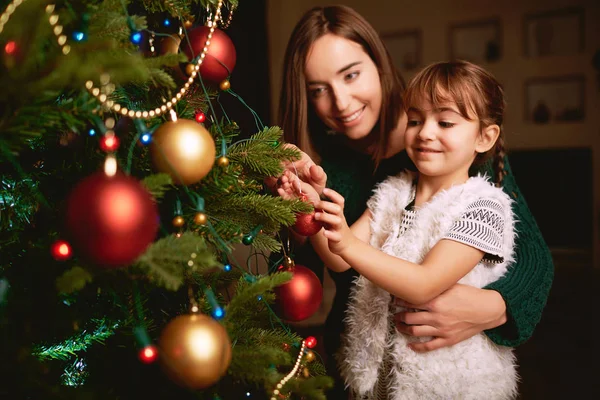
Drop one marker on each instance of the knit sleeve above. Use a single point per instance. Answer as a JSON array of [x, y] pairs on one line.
[[481, 226], [526, 285]]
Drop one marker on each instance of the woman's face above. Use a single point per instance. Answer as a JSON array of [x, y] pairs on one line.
[[343, 86]]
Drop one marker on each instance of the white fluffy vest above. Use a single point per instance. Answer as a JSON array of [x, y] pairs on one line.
[[473, 369]]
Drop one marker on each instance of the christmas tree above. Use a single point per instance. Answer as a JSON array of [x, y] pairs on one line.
[[125, 186]]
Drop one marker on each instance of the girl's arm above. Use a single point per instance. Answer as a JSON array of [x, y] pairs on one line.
[[361, 230], [444, 265]]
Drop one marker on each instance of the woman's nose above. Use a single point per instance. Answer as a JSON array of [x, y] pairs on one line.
[[342, 99]]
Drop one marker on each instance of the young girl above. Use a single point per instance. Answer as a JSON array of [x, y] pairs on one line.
[[422, 233]]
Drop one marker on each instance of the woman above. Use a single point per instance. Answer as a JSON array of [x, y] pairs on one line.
[[341, 104]]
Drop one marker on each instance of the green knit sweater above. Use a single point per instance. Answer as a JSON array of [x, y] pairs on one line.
[[524, 288]]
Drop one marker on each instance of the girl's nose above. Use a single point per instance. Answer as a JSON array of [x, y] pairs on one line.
[[427, 131]]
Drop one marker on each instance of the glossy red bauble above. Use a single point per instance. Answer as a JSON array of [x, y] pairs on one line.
[[220, 59], [111, 219], [299, 298], [307, 225]]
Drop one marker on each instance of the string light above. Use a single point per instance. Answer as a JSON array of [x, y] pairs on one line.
[[61, 250], [146, 138], [10, 47], [136, 37]]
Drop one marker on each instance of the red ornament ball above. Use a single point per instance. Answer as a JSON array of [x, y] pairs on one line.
[[307, 225], [310, 342], [61, 250], [220, 59], [111, 219], [148, 354], [300, 297]]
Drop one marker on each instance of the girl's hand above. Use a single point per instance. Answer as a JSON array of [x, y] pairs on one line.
[[336, 230], [455, 315], [306, 169], [291, 187]]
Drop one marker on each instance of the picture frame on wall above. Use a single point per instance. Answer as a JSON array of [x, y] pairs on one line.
[[555, 33], [555, 99], [405, 48], [476, 41]]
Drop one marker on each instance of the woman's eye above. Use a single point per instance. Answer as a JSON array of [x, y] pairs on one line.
[[445, 124], [352, 75], [316, 92]]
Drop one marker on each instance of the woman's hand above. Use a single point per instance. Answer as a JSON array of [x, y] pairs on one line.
[[455, 315]]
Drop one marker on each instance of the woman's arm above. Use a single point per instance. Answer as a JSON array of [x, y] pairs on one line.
[[526, 286]]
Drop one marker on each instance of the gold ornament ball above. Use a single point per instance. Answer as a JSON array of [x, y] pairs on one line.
[[183, 149], [225, 85], [200, 218], [188, 24], [189, 68], [195, 350], [178, 221], [310, 356], [223, 161]]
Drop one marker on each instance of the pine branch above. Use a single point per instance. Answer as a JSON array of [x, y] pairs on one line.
[[72, 280], [77, 343], [166, 260], [158, 184], [246, 297]]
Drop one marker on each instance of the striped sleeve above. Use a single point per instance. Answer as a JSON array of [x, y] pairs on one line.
[[481, 226]]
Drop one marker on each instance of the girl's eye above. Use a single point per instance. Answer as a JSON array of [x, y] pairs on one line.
[[445, 124], [413, 122]]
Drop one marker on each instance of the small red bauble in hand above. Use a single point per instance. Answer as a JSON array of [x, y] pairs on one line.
[[306, 224]]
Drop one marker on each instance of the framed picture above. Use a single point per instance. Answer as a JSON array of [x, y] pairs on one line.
[[405, 48], [557, 99], [478, 41], [559, 32]]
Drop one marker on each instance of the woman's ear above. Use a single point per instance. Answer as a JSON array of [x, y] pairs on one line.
[[487, 139]]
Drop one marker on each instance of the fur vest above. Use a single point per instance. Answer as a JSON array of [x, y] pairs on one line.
[[472, 369]]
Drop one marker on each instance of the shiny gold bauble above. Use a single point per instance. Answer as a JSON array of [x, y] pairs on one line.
[[189, 68], [168, 44], [195, 350], [183, 149], [200, 218], [188, 24], [223, 161], [178, 221], [225, 85], [305, 372], [310, 356]]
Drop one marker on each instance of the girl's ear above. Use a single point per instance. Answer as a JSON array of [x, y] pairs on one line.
[[487, 139]]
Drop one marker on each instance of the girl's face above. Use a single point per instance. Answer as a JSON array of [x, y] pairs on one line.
[[343, 86], [440, 141]]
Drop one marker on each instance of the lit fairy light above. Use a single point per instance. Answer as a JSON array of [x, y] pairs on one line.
[[173, 115], [110, 165]]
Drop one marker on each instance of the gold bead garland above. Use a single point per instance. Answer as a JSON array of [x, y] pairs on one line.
[[289, 376], [169, 104], [225, 25], [8, 12]]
